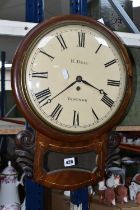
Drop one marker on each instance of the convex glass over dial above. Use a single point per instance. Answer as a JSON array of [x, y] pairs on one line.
[[74, 76]]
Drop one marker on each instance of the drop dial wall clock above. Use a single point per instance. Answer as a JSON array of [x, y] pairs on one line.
[[72, 81]]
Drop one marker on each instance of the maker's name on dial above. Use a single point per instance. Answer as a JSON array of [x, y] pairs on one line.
[[78, 61]]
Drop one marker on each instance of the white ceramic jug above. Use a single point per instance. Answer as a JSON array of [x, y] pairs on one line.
[[9, 196]]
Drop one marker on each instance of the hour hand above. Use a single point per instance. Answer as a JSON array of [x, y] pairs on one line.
[[101, 91]]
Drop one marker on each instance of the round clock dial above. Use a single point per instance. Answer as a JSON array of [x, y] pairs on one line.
[[73, 75]]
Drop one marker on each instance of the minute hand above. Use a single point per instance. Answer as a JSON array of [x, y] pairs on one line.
[[100, 90], [49, 100], [64, 89]]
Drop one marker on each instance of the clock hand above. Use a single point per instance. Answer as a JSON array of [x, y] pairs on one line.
[[100, 90], [49, 100], [64, 89]]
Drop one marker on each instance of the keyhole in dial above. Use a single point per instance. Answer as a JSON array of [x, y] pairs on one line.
[[78, 88]]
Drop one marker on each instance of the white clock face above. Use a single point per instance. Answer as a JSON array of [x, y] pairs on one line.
[[75, 79]]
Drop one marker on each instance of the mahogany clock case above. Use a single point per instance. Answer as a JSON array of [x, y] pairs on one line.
[[53, 168], [19, 89]]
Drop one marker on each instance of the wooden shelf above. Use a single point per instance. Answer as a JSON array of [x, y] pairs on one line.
[[129, 131], [9, 128], [129, 128], [130, 147]]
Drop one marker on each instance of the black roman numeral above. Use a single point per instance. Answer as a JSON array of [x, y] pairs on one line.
[[76, 119], [110, 63], [81, 39], [40, 74], [94, 114], [98, 49], [108, 101], [56, 112], [62, 42], [50, 56], [43, 95], [113, 82]]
